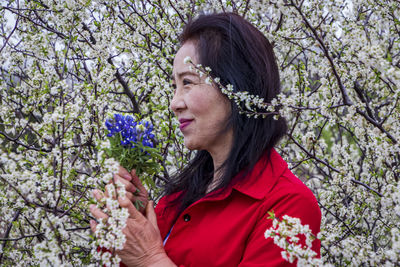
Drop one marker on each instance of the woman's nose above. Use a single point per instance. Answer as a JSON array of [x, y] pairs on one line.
[[177, 102]]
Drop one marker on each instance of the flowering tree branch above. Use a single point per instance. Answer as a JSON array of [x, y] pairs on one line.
[[66, 66]]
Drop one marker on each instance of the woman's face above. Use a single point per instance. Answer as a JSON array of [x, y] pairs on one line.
[[202, 110]]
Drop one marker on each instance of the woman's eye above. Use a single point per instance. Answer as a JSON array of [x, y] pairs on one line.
[[186, 82]]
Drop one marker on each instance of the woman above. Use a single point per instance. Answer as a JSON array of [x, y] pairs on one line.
[[215, 212]]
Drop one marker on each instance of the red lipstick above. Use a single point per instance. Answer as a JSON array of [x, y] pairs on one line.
[[184, 123]]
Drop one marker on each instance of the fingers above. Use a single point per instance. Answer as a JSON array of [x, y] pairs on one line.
[[151, 214], [130, 180], [98, 214], [93, 225], [130, 196], [133, 173], [110, 191], [98, 195], [133, 212], [136, 182], [129, 187], [124, 173]]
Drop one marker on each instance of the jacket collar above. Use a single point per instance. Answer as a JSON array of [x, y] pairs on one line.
[[263, 177], [257, 183]]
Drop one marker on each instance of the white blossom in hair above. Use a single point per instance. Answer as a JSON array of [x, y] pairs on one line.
[[248, 104], [187, 60]]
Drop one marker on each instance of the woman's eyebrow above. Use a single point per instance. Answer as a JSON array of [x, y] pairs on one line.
[[184, 73]]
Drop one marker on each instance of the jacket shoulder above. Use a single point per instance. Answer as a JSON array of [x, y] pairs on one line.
[[290, 196]]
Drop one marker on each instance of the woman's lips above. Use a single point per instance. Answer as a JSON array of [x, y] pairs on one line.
[[184, 123]]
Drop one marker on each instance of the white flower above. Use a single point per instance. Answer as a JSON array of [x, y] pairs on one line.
[[187, 60]]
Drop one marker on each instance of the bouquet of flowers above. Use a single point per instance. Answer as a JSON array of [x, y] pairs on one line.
[[131, 143]]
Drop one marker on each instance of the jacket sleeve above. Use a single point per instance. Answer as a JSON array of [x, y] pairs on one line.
[[260, 251]]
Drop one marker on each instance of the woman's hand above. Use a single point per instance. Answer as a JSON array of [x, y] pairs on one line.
[[143, 246], [135, 191]]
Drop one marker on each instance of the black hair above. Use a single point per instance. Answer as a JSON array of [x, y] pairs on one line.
[[240, 55]]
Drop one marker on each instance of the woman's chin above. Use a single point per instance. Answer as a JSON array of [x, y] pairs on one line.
[[189, 144]]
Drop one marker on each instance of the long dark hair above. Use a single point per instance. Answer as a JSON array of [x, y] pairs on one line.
[[239, 55]]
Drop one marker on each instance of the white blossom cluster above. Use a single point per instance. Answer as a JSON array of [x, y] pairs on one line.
[[109, 235], [66, 65], [286, 234], [341, 99], [248, 104]]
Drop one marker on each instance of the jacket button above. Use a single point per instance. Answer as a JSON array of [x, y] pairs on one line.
[[186, 217]]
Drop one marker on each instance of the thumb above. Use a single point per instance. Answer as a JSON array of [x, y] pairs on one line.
[[151, 214]]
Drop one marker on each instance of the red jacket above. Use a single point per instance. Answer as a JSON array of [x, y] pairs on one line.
[[228, 229]]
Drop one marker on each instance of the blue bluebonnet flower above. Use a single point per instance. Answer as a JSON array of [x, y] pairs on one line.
[[131, 131]]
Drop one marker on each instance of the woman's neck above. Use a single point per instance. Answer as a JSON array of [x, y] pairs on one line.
[[218, 173], [219, 155]]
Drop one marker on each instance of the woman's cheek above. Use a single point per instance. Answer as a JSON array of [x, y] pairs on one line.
[[197, 100]]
